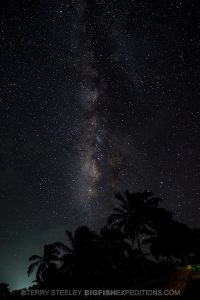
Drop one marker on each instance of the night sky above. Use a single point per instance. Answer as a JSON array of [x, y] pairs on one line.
[[96, 97]]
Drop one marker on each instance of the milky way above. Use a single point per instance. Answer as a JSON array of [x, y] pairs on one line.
[[102, 160], [89, 96], [93, 100]]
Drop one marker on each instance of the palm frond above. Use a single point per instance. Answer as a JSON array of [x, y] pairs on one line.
[[34, 257], [70, 237], [119, 210], [124, 206], [61, 246], [32, 267], [40, 271], [120, 197], [114, 218], [145, 229]]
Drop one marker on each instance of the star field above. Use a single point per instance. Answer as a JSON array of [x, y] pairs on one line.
[[95, 97]]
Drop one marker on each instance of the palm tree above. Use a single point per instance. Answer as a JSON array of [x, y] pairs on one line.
[[135, 215], [43, 263], [79, 259], [114, 246], [114, 251], [79, 242]]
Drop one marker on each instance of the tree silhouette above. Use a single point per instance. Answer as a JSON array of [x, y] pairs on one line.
[[134, 215], [4, 291], [79, 260], [114, 257], [43, 263], [173, 239], [114, 246]]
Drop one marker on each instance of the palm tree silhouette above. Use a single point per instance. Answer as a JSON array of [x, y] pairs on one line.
[[109, 259], [42, 263], [114, 246], [113, 256], [79, 260], [135, 215]]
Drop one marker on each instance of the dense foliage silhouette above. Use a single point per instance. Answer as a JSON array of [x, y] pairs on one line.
[[141, 240]]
